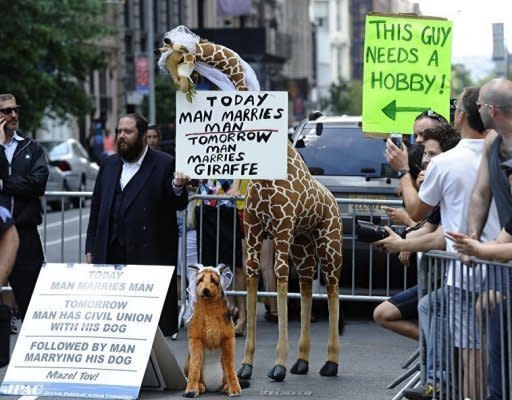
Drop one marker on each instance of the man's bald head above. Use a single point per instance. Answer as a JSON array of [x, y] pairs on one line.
[[498, 92]]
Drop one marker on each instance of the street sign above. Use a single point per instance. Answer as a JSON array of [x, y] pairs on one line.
[[142, 72], [407, 69]]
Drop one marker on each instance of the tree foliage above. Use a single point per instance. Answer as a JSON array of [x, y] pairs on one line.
[[345, 97], [48, 51], [461, 78], [165, 99]]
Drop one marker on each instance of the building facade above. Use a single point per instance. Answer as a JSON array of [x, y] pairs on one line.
[[358, 11]]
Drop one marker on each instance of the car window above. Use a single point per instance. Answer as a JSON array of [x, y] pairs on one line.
[[80, 151], [59, 150], [341, 150]]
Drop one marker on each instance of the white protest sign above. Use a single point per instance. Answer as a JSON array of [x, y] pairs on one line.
[[232, 134], [88, 331]]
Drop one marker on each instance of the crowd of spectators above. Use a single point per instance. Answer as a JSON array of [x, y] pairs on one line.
[[465, 183]]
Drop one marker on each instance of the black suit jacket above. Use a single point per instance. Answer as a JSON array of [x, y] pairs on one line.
[[149, 216], [149, 211]]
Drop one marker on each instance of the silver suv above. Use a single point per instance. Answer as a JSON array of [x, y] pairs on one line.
[[353, 166]]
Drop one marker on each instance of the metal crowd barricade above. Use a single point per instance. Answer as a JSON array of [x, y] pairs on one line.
[[466, 329], [363, 265], [367, 275], [63, 200]]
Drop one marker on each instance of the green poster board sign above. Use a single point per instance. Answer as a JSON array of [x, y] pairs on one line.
[[407, 68]]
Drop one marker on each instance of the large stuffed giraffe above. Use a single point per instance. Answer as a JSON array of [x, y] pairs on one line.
[[304, 220], [300, 214]]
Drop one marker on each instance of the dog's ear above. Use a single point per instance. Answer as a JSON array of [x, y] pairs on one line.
[[226, 275]]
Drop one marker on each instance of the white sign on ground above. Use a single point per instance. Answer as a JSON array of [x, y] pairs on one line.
[[88, 331], [232, 134]]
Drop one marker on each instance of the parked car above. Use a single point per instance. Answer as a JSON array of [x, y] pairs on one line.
[[56, 183], [353, 166], [71, 158]]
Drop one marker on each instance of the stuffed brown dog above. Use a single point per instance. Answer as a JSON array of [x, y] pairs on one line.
[[211, 335]]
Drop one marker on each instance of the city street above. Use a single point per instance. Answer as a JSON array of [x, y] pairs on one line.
[[63, 235], [370, 360]]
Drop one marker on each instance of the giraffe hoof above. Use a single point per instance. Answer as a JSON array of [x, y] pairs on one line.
[[245, 371], [277, 373], [301, 367], [329, 369]]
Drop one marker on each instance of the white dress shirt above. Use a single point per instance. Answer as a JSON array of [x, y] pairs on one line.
[[130, 169], [10, 148]]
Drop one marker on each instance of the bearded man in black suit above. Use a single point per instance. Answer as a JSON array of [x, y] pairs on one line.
[[133, 209]]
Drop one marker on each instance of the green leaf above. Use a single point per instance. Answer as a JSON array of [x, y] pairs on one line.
[[54, 49]]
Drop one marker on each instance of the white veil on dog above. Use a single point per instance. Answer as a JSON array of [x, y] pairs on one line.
[[225, 274]]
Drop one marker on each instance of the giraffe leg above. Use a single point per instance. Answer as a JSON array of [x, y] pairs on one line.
[[301, 366], [303, 257], [245, 371], [330, 367], [278, 371], [254, 241]]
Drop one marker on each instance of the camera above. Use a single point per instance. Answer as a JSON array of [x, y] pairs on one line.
[[369, 232]]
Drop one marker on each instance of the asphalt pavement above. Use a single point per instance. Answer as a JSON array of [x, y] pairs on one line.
[[370, 360]]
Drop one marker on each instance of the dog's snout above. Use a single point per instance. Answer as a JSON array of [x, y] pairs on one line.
[[206, 292]]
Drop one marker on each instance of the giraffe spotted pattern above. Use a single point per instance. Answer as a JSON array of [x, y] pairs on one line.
[[304, 220]]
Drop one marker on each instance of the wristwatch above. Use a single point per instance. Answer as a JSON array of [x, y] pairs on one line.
[[402, 172]]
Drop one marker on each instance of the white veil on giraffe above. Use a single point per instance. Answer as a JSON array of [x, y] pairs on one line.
[[183, 36]]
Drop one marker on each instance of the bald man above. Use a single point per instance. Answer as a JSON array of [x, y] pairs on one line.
[[495, 107]]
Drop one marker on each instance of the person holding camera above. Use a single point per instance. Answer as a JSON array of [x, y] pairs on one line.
[[400, 312], [449, 180]]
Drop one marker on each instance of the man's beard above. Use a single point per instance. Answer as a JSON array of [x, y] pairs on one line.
[[132, 151]]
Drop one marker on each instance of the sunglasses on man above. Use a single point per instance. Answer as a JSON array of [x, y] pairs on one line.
[[9, 110]]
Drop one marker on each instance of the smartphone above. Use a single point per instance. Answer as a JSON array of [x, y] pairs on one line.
[[396, 138]]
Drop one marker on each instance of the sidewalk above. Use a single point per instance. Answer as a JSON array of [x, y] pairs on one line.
[[370, 360]]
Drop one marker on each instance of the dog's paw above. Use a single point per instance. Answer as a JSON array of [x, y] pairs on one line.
[[235, 391], [191, 394]]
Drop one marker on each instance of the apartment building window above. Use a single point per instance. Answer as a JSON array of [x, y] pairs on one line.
[[156, 16], [103, 83], [91, 83], [338, 5], [127, 14], [321, 10], [142, 16]]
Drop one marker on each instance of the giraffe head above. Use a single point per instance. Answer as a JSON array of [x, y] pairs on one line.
[[177, 57], [180, 64]]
